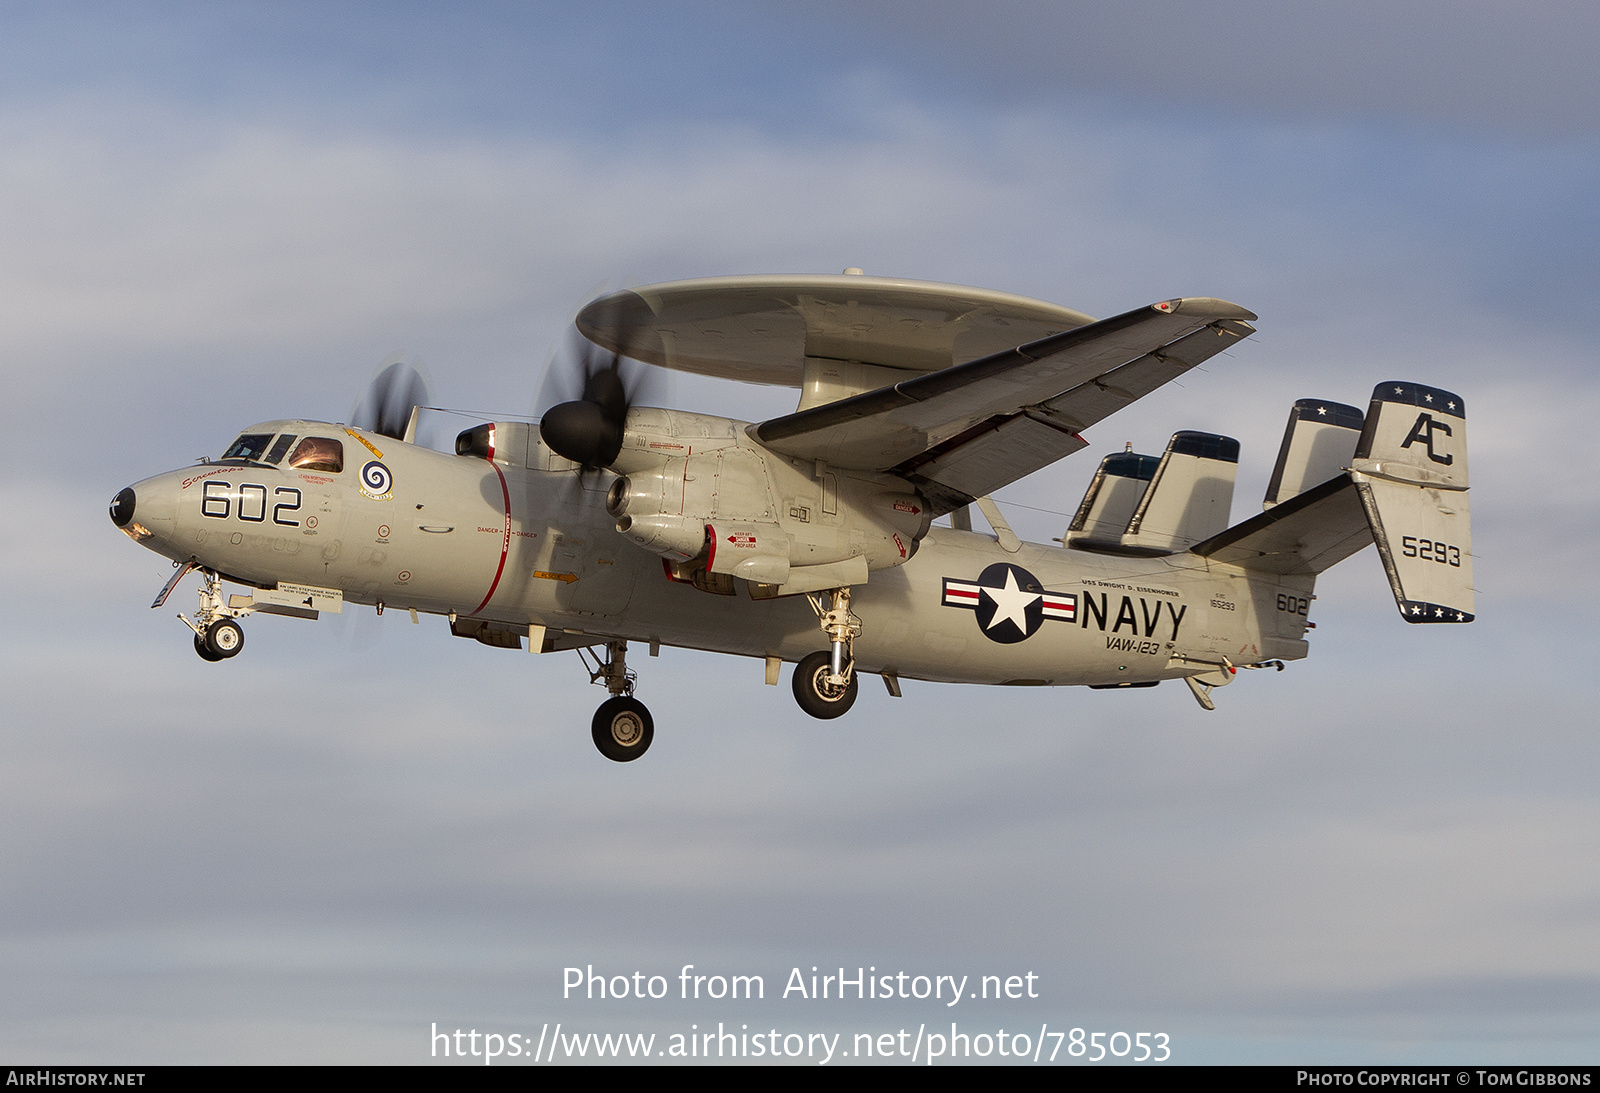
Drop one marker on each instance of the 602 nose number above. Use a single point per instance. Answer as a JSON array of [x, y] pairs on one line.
[[219, 498]]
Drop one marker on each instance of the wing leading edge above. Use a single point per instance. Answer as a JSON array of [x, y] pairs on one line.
[[965, 431]]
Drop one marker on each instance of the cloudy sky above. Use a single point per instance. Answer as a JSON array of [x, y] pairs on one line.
[[216, 214]]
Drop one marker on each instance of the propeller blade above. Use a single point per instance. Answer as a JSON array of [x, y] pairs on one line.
[[585, 398], [397, 389]]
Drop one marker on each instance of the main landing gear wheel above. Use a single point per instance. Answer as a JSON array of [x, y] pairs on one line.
[[623, 729], [816, 695], [224, 639], [205, 653]]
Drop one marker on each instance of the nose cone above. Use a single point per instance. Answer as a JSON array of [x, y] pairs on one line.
[[122, 507], [146, 512]]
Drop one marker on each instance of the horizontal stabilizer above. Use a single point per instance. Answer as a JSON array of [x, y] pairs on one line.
[[1305, 535]]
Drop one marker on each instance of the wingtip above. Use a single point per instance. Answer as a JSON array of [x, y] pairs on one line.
[[1205, 307]]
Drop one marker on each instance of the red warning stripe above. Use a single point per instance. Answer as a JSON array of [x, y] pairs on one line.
[[505, 540]]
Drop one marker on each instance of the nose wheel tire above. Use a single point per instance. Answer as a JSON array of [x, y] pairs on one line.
[[815, 694], [623, 729], [205, 653], [224, 639]]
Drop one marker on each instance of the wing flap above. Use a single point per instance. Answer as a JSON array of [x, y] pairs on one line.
[[1016, 411], [1017, 446]]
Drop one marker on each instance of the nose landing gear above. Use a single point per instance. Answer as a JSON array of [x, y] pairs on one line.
[[623, 727], [225, 638], [216, 635]]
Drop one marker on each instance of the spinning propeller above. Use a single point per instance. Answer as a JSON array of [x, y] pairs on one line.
[[396, 390], [586, 395]]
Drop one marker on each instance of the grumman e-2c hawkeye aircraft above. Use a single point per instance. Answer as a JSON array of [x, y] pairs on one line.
[[809, 538]]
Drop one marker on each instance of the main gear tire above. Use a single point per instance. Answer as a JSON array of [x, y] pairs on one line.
[[225, 638], [204, 650], [815, 694], [623, 729]]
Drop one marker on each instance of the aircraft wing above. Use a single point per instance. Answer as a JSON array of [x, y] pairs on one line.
[[965, 431]]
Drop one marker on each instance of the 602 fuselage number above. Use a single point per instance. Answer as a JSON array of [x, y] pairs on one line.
[[1295, 605], [1430, 550], [218, 502]]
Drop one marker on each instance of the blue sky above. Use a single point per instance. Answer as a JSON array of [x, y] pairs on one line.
[[216, 215]]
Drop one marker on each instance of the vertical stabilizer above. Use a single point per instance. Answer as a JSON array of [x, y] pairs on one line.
[[1190, 496], [1410, 468], [1112, 498], [1318, 444]]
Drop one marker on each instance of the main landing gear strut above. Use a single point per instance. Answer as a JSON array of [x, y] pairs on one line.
[[825, 682], [623, 727]]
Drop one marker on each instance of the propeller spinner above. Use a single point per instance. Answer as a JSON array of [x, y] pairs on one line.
[[588, 429]]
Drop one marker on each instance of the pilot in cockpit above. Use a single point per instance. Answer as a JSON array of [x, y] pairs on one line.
[[313, 453]]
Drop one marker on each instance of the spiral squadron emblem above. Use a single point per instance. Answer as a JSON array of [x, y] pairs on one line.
[[376, 481]]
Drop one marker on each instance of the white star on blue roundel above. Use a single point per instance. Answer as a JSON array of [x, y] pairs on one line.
[[1009, 602]]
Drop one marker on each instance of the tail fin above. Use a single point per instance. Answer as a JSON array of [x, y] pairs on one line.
[[1189, 498], [1318, 444], [1313, 518], [1111, 498], [1406, 490], [1410, 469]]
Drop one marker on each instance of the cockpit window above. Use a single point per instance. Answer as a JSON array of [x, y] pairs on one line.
[[276, 455], [249, 446], [318, 453]]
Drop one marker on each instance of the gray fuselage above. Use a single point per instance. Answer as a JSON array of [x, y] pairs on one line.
[[516, 546]]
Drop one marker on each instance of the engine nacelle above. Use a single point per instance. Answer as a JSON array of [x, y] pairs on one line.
[[695, 487], [677, 537]]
